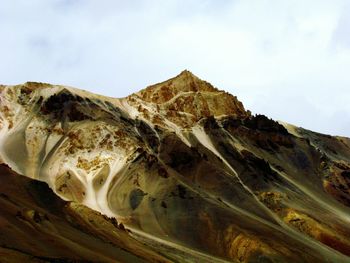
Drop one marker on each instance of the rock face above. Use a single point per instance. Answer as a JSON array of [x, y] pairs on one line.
[[184, 165]]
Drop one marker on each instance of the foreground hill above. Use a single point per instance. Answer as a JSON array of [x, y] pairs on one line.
[[184, 165], [38, 226]]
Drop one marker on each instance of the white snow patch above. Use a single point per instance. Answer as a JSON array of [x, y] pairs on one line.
[[101, 197], [290, 128], [178, 131], [126, 107], [204, 139]]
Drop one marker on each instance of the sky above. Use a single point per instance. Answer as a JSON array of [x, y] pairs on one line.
[[287, 59]]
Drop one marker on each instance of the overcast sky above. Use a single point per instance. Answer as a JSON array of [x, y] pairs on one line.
[[287, 59]]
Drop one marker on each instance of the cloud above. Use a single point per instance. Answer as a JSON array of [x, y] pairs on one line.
[[341, 34], [287, 59]]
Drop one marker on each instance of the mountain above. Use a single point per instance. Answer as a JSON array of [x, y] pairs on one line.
[[189, 172]]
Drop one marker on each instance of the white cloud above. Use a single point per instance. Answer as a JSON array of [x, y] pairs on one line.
[[287, 59]]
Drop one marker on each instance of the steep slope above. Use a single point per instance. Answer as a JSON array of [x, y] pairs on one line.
[[184, 164]]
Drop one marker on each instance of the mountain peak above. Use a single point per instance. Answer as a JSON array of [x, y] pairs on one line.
[[187, 74], [185, 99], [185, 82]]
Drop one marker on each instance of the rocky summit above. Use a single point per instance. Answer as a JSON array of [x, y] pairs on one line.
[[178, 172]]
